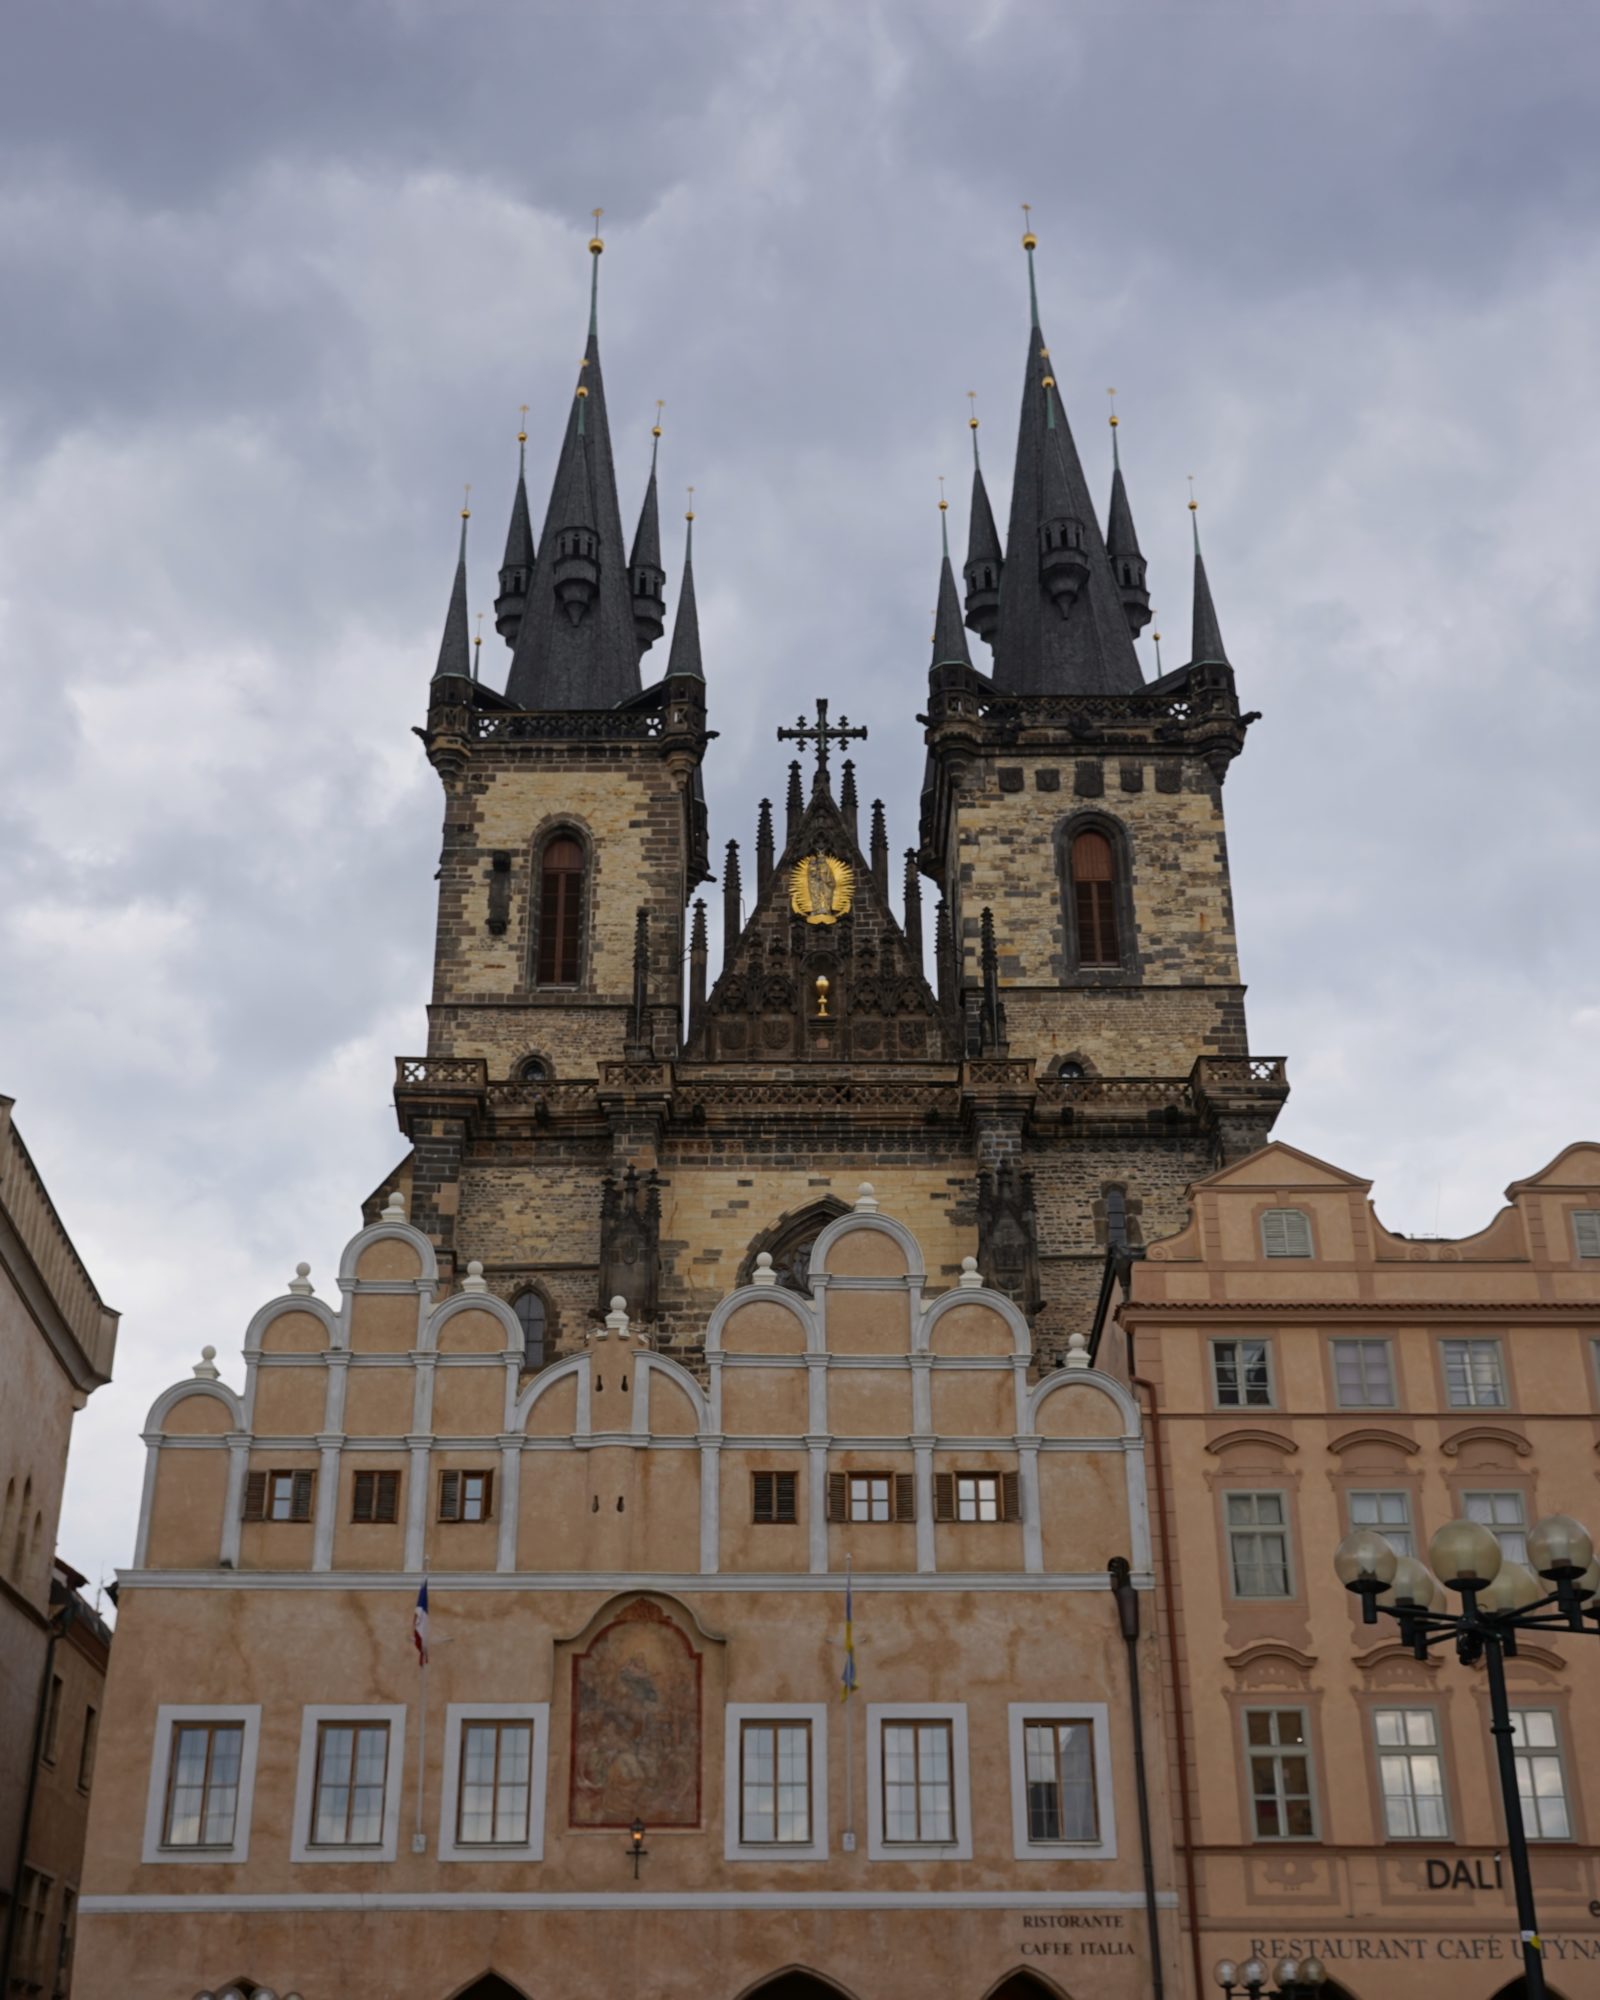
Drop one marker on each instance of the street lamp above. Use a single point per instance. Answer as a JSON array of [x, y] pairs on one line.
[[1293, 1978], [636, 1846], [1499, 1599]]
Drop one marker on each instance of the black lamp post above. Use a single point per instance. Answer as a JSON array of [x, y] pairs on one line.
[[636, 1846], [1499, 1599], [1293, 1978]]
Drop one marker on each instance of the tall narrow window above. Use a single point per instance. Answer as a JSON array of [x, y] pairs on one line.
[[1278, 1751], [918, 1787], [352, 1770], [1094, 899], [1258, 1544], [529, 1309], [560, 912], [1541, 1780], [1060, 1779], [492, 1797], [1411, 1774], [775, 1783], [203, 1784]]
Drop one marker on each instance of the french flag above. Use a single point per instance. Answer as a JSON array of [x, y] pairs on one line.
[[419, 1624]]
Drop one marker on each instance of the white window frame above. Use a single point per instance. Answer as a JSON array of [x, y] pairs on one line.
[[1406, 1751], [312, 1717], [168, 1716], [456, 1714], [1359, 1340], [1240, 1340], [1519, 1527], [1474, 1340], [1230, 1529], [1402, 1493], [955, 1714], [1279, 1752], [1522, 1753], [1098, 1715], [735, 1715], [1288, 1256]]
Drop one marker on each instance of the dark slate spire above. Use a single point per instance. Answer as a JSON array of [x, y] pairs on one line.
[[763, 846], [984, 562], [516, 571], [794, 804], [684, 656], [697, 961], [1061, 627], [949, 641], [732, 913], [911, 923], [455, 654], [577, 646], [647, 579], [848, 805], [1205, 648], [1122, 544]]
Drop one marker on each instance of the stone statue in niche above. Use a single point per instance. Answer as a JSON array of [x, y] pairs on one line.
[[636, 1724]]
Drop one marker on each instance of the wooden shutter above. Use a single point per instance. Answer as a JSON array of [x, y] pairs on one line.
[[1586, 1231], [300, 1496], [762, 1496], [784, 1501], [1094, 893], [838, 1497], [560, 912], [1285, 1232], [905, 1496], [944, 1496], [449, 1496], [255, 1497], [488, 1496], [364, 1497], [387, 1507], [1010, 1496]]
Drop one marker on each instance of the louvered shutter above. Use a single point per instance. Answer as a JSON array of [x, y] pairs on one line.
[[365, 1498], [300, 1496], [488, 1496], [449, 1496], [1586, 1231], [838, 1497], [388, 1502], [255, 1497], [1010, 1496], [905, 1496], [763, 1507], [1285, 1232], [784, 1505], [944, 1496]]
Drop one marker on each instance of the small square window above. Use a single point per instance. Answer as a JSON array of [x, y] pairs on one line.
[[1389, 1513], [977, 1496], [773, 1497], [1258, 1544], [1241, 1374], [1286, 1232], [279, 1496], [1363, 1374], [1474, 1375], [375, 1496], [465, 1496], [1278, 1761]]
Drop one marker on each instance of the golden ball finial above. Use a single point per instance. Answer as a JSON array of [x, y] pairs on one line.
[[1112, 394], [596, 242], [466, 503], [582, 391], [1029, 240], [522, 433], [1194, 504], [689, 515], [655, 428], [1049, 382]]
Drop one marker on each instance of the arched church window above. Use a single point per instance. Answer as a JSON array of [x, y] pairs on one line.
[[560, 944], [792, 1242], [1094, 898], [529, 1309], [533, 1069]]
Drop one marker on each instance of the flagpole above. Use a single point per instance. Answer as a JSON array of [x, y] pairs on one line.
[[849, 1742], [422, 1752]]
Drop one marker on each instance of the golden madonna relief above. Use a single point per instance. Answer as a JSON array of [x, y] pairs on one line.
[[821, 888]]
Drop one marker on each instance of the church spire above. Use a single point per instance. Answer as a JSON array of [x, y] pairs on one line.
[[1205, 648], [577, 646], [647, 578], [455, 653], [516, 570], [984, 561], [949, 641], [1122, 542], [684, 657], [1061, 627]]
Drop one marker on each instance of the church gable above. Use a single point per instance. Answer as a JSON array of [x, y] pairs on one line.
[[822, 970]]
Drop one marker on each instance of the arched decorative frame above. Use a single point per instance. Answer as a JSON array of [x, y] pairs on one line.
[[1126, 970], [561, 826], [793, 1223]]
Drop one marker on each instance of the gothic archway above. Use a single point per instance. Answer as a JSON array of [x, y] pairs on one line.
[[1023, 1986], [796, 1983], [1517, 1989], [789, 1242], [490, 1987]]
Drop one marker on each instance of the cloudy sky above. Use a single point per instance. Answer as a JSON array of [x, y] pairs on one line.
[[277, 276]]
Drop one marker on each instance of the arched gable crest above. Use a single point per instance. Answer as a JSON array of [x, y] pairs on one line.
[[168, 1400], [1085, 1378], [873, 1220]]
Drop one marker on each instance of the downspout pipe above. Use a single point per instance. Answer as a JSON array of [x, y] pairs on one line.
[[58, 1625], [1128, 1618]]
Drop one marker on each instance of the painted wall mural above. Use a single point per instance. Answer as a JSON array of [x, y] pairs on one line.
[[636, 1724]]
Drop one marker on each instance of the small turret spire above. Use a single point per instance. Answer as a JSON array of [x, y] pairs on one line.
[[596, 245], [1205, 648], [794, 804], [949, 641], [1122, 543], [455, 662], [647, 578], [879, 856], [984, 563], [911, 924], [516, 569], [684, 657], [763, 846], [697, 961], [732, 916], [848, 805]]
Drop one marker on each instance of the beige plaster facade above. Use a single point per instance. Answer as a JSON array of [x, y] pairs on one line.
[[626, 1601], [1289, 1397]]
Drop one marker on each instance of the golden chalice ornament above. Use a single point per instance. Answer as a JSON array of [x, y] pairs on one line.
[[821, 888], [822, 996]]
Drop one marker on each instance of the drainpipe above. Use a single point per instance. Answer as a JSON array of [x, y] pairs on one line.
[[56, 1628], [1128, 1617]]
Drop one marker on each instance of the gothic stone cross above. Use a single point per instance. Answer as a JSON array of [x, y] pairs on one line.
[[821, 733]]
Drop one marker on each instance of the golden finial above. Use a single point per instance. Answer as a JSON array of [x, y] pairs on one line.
[[1049, 382], [1029, 240], [1112, 394], [582, 391], [655, 428], [466, 503], [944, 504], [972, 404], [479, 640], [522, 429], [1194, 504], [689, 516], [596, 244]]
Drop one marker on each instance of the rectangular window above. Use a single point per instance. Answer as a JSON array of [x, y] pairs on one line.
[[52, 1720], [869, 1496], [203, 1784], [1286, 1232], [91, 1729], [1060, 1779], [774, 1783], [1541, 1781], [352, 1766], [1411, 1774], [1258, 1544], [278, 1496], [375, 1496], [978, 1496], [1278, 1754], [1474, 1375], [496, 1775], [465, 1496], [918, 1785], [773, 1497], [1241, 1374], [1506, 1514], [1390, 1514], [1363, 1375], [1586, 1231]]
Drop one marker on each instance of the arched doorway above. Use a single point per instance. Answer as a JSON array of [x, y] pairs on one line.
[[795, 1984], [1517, 1989], [1023, 1986], [490, 1987]]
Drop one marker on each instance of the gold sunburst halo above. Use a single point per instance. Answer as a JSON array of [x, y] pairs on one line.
[[821, 888]]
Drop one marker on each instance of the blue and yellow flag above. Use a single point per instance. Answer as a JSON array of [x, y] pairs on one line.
[[847, 1680]]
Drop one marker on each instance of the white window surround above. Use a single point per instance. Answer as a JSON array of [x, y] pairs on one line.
[[168, 1715], [311, 1719], [459, 1712], [737, 1713], [1097, 1715], [955, 1713]]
